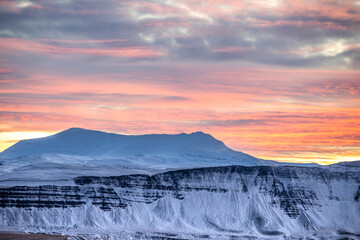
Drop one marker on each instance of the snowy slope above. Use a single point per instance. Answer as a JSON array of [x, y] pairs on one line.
[[81, 146], [81, 181], [82, 142], [233, 201]]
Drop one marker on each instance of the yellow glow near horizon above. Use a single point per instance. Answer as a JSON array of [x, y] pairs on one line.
[[308, 158], [315, 160], [237, 70], [7, 139]]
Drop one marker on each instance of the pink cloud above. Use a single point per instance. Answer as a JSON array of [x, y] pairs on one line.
[[44, 47]]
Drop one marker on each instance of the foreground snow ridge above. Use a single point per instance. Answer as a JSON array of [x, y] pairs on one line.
[[233, 201]]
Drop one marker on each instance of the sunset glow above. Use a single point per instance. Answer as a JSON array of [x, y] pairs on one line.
[[275, 79]]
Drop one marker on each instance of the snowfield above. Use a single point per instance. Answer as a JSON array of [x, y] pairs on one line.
[[263, 201], [91, 184]]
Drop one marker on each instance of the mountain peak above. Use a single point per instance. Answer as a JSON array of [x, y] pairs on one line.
[[200, 133], [195, 135], [75, 129], [197, 147]]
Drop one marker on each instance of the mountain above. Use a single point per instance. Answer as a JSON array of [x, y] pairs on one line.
[[232, 202], [93, 185], [90, 147]]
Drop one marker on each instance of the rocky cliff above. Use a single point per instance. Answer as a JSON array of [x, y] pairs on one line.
[[235, 200]]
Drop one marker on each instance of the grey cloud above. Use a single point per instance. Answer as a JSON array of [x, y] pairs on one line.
[[22, 97], [113, 20]]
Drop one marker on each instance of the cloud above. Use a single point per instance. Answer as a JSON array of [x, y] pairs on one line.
[[235, 122], [276, 79], [273, 33], [90, 48], [355, 137]]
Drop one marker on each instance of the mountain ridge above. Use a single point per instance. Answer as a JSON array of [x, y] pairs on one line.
[[77, 135], [197, 149]]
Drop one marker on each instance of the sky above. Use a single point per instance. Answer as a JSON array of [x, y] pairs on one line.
[[277, 79]]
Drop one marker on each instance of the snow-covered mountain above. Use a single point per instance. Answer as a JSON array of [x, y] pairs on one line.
[[116, 186], [234, 202], [90, 147]]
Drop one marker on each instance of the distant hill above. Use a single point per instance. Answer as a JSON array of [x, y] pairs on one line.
[[196, 149]]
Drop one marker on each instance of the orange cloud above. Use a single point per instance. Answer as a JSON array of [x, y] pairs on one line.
[[305, 108], [265, 112]]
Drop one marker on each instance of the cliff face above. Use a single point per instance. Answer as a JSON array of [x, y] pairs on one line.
[[238, 200]]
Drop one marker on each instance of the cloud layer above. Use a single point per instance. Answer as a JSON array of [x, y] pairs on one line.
[[277, 79], [322, 33]]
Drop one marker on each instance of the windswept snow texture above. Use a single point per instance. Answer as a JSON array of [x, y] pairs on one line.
[[232, 201], [81, 146]]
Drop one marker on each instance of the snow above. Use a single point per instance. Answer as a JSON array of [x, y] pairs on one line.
[[78, 146], [205, 212], [82, 142], [325, 197]]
